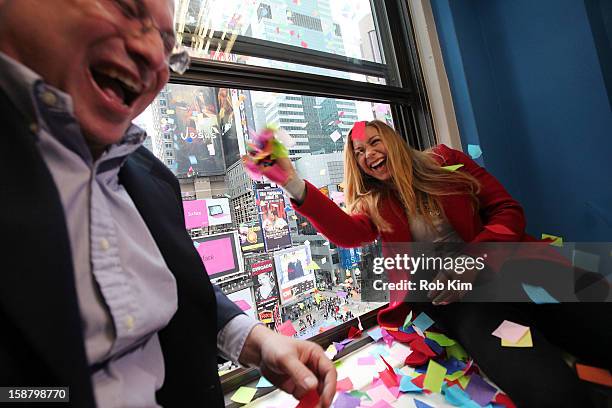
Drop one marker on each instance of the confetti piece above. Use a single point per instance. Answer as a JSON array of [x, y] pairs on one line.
[[309, 400], [286, 329], [369, 360], [454, 167], [555, 240], [435, 347], [440, 338], [434, 376], [423, 322], [335, 136], [381, 393], [331, 351], [406, 385], [344, 384], [464, 381], [381, 404], [346, 400], [524, 341], [503, 399], [243, 304], [358, 131], [376, 334], [480, 391], [421, 404], [408, 319], [456, 396], [388, 376], [538, 295], [304, 44], [594, 374], [422, 347], [360, 394], [455, 376], [354, 332], [264, 383], [457, 351], [474, 151], [500, 229], [510, 331], [244, 395], [416, 358]]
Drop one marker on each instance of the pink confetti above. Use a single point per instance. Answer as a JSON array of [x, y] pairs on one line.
[[358, 131], [304, 44]]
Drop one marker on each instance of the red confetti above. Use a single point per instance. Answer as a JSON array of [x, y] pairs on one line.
[[309, 400], [403, 337], [358, 131], [416, 359], [504, 400], [353, 332], [422, 347], [418, 381]]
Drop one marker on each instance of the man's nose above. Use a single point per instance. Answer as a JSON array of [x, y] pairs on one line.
[[149, 48]]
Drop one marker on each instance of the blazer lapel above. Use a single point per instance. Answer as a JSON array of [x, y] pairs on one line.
[[37, 289]]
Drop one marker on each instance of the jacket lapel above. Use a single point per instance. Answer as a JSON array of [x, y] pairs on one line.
[[37, 289]]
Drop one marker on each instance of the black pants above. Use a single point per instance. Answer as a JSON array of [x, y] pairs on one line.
[[534, 377]]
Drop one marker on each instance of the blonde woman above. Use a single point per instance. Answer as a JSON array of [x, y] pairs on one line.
[[399, 194]]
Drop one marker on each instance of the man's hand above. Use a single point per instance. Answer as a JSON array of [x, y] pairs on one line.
[[295, 366]]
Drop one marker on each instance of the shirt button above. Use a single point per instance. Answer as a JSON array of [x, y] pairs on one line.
[[48, 98], [129, 322], [33, 128], [104, 244]]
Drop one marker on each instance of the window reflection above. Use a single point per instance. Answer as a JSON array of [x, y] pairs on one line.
[[269, 260]]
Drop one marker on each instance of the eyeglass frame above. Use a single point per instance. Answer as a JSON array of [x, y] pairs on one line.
[[177, 57]]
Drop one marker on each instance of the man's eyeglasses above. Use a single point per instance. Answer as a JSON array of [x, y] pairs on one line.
[[135, 11]]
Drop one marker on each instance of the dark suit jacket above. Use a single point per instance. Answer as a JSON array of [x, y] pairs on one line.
[[41, 341]]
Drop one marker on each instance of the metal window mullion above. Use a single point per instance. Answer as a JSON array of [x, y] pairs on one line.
[[254, 47], [421, 130], [230, 75]]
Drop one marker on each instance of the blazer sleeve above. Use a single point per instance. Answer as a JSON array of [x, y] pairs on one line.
[[226, 309], [502, 216], [347, 231]]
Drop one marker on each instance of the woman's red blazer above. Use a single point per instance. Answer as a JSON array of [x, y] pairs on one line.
[[498, 211]]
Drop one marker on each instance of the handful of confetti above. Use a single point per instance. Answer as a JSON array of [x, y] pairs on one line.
[[263, 150]]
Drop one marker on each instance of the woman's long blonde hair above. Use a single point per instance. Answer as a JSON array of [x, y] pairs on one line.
[[416, 178]]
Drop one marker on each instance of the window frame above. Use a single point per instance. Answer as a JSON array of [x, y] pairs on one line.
[[405, 92]]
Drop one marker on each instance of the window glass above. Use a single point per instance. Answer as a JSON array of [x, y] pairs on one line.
[[269, 260], [341, 27]]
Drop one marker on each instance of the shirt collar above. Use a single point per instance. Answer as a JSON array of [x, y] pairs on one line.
[[28, 92]]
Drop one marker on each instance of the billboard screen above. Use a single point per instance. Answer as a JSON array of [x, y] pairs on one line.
[[244, 300], [220, 253], [293, 273], [218, 211], [201, 118], [251, 239], [203, 213], [264, 281], [273, 218]]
